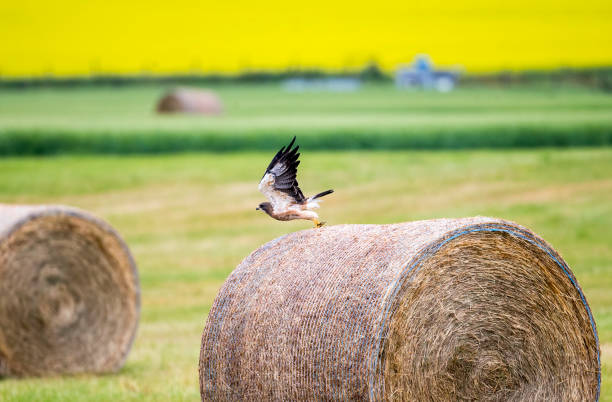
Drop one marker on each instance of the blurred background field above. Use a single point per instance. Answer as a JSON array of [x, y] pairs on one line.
[[71, 37], [121, 120]]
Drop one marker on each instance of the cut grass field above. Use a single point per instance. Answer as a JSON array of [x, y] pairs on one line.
[[257, 117], [190, 219]]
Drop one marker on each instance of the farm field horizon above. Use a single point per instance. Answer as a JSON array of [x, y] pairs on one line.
[[189, 219]]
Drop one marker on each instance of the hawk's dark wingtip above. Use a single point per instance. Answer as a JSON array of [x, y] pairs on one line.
[[285, 153], [322, 194], [291, 143]]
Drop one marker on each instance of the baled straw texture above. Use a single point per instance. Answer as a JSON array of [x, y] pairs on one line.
[[184, 100], [449, 309], [69, 293]]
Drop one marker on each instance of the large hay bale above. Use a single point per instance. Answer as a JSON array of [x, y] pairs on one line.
[[184, 100], [450, 309], [69, 293]]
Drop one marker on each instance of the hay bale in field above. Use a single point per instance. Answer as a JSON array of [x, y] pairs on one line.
[[69, 293], [195, 101], [450, 309]]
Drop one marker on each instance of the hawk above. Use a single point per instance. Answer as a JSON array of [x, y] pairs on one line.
[[279, 185]]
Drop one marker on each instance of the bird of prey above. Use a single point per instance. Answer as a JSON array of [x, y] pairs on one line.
[[280, 186]]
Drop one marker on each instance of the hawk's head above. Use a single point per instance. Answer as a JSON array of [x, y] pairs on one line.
[[266, 207]]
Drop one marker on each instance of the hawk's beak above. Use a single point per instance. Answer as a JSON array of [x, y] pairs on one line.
[[257, 209]]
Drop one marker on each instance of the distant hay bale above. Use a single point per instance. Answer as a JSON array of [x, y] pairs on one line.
[[190, 101], [69, 293], [449, 309]]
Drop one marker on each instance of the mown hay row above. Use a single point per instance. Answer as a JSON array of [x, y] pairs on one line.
[[69, 293], [469, 309]]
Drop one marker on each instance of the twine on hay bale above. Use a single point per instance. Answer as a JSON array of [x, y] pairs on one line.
[[69, 293], [468, 309], [184, 100]]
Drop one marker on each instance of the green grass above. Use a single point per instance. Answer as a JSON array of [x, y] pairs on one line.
[[190, 219], [258, 117]]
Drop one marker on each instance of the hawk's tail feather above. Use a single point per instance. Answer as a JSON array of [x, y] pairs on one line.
[[322, 194]]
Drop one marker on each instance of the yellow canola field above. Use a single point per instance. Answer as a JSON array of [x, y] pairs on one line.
[[79, 37]]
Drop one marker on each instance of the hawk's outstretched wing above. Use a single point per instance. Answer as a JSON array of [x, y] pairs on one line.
[[279, 182]]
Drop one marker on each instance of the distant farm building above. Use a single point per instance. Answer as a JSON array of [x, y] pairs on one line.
[[421, 75], [333, 84]]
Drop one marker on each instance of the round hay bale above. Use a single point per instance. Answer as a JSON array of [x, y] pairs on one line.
[[69, 293], [190, 101], [449, 309]]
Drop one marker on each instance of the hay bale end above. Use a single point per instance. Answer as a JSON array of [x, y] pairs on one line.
[[449, 309], [69, 293]]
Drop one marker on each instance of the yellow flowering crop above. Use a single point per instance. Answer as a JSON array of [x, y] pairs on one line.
[[80, 37]]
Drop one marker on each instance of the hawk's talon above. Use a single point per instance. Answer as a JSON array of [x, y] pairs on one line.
[[318, 224]]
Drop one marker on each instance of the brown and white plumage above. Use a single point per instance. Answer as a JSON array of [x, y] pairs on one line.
[[280, 186]]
